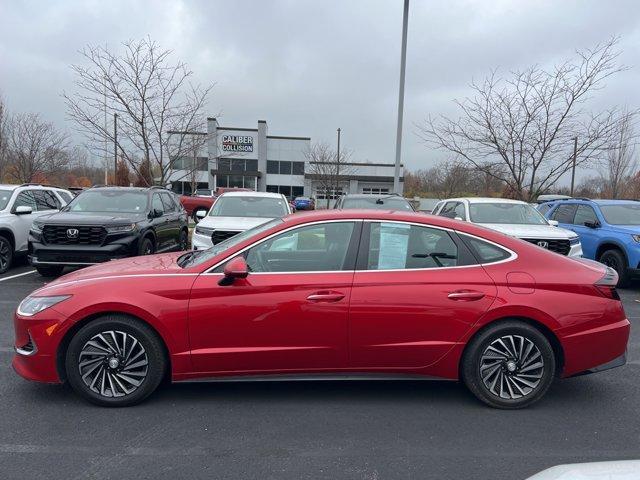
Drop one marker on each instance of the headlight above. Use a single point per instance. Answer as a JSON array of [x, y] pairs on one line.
[[122, 228], [636, 238], [32, 305], [574, 240], [36, 227], [204, 231]]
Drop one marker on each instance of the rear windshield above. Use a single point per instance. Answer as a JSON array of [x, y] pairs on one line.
[[378, 203], [109, 201], [625, 214], [5, 195]]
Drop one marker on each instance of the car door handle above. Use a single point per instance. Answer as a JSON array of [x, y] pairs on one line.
[[325, 296], [466, 295]]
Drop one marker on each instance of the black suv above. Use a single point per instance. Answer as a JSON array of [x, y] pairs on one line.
[[106, 223]]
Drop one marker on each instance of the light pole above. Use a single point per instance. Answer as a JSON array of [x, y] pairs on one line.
[[573, 168], [335, 192], [403, 63], [115, 147]]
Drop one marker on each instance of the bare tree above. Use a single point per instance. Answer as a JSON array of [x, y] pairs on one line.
[[527, 122], [151, 96], [3, 137], [621, 161], [35, 148], [328, 170]]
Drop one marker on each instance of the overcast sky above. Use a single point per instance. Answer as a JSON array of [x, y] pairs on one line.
[[309, 67]]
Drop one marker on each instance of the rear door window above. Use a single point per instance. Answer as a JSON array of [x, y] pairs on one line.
[[26, 199], [564, 213], [486, 252]]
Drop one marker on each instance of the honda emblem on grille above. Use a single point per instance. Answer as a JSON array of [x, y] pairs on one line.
[[543, 244], [72, 233]]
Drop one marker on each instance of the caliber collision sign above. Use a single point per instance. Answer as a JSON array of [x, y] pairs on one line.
[[237, 143]]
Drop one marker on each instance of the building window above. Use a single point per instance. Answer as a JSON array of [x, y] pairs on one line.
[[375, 191], [298, 168], [252, 166], [187, 163], [224, 164], [285, 168], [331, 193], [273, 166], [286, 190], [297, 191], [236, 181], [237, 165]]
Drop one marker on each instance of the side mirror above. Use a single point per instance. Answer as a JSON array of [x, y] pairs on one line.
[[155, 213], [235, 268], [23, 210], [553, 223], [201, 214], [595, 224]]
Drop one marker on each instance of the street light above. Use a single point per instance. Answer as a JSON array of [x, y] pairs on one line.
[[403, 63]]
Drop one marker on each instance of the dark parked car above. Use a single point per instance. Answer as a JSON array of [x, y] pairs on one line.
[[389, 201], [107, 223]]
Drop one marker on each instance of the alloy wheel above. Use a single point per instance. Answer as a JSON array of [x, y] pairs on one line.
[[5, 255], [511, 367], [113, 363]]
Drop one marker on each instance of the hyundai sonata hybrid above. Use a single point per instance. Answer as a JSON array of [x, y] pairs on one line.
[[347, 294]]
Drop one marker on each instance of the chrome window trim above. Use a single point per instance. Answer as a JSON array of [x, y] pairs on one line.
[[512, 255], [300, 225]]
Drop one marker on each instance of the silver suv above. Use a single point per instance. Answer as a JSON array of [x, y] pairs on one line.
[[19, 206]]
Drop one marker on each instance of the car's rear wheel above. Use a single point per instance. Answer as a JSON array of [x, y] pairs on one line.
[[146, 247], [615, 259], [115, 361], [183, 240], [509, 365], [6, 254], [50, 270]]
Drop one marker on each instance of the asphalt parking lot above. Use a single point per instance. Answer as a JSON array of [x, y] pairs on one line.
[[360, 430]]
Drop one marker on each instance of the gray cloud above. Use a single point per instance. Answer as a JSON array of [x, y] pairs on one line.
[[308, 67]]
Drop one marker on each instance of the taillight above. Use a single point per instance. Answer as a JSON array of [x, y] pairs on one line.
[[607, 284]]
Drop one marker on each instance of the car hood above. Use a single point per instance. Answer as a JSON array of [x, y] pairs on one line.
[[90, 218], [233, 223], [145, 265], [630, 229], [530, 231]]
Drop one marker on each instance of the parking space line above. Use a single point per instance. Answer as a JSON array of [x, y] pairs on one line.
[[17, 275]]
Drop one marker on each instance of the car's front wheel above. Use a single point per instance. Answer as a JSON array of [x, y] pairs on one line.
[[615, 259], [509, 365], [115, 361], [50, 270]]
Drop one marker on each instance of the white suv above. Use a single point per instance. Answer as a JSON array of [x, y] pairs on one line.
[[19, 206], [235, 212], [515, 218]]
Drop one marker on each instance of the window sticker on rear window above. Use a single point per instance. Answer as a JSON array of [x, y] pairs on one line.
[[394, 242]]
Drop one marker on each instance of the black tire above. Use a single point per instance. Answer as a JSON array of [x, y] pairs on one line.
[[102, 394], [183, 241], [6, 254], [194, 215], [50, 270], [512, 392], [615, 259], [147, 247]]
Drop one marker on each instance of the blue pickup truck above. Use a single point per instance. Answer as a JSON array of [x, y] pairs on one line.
[[609, 231]]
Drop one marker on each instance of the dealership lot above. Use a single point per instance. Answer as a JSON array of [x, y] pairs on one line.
[[310, 429]]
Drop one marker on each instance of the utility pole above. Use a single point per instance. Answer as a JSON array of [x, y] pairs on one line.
[[573, 168], [115, 146], [337, 184], [403, 64]]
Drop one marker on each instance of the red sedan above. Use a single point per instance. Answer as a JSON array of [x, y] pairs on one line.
[[329, 294]]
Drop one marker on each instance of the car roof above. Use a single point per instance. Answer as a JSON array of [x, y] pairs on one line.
[[484, 200], [375, 195], [8, 186], [251, 194]]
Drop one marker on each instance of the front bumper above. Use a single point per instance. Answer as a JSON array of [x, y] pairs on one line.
[[575, 250], [78, 255]]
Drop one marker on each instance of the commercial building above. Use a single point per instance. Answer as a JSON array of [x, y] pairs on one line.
[[251, 158]]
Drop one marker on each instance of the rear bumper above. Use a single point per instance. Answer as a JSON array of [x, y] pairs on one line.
[[596, 349]]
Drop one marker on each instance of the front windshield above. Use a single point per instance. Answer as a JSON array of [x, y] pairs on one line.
[[507, 213], [249, 206], [378, 203], [5, 195], [202, 256], [625, 214], [109, 201]]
